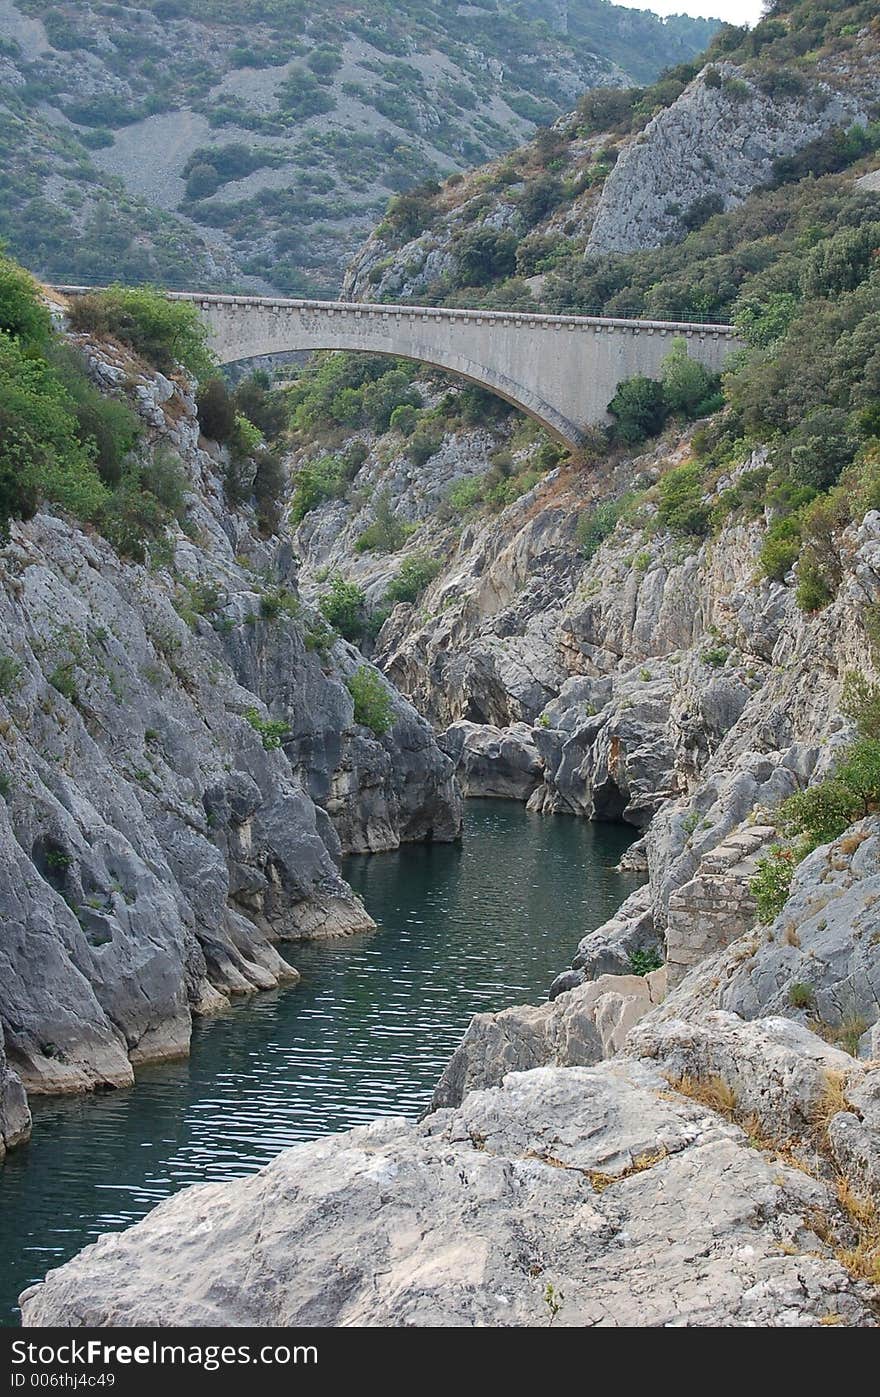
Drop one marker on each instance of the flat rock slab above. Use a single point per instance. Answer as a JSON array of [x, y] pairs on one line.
[[637, 1207]]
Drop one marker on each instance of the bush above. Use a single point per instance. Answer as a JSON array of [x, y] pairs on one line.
[[594, 528], [423, 444], [861, 704], [41, 451], [483, 255], [682, 508], [386, 533], [772, 883], [639, 409], [22, 313], [818, 449], [686, 384], [272, 731], [416, 572], [372, 702], [165, 333], [343, 606], [780, 549], [216, 410], [812, 591], [270, 483], [131, 517], [404, 419], [820, 813], [106, 427]]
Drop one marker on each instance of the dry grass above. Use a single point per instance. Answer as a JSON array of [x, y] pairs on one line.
[[863, 1259], [844, 1035], [832, 1102], [601, 1181], [713, 1092]]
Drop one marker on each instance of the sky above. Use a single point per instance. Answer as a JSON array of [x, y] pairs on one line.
[[734, 11]]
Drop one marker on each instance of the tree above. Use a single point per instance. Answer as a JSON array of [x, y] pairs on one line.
[[686, 384], [216, 410], [639, 407], [484, 255], [343, 606]]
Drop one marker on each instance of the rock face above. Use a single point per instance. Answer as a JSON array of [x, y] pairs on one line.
[[717, 142], [15, 1118], [574, 1030], [501, 762], [818, 962], [575, 1196], [181, 764]]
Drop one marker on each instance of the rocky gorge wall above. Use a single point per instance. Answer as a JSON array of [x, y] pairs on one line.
[[181, 770]]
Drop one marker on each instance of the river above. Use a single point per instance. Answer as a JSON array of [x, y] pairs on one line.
[[463, 928]]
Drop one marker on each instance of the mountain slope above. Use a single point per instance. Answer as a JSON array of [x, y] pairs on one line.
[[257, 142]]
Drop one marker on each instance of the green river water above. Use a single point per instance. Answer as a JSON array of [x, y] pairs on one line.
[[462, 928]]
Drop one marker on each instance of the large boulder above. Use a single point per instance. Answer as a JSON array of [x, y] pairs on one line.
[[576, 1196], [497, 762]]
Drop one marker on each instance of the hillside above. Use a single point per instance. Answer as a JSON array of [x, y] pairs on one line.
[[584, 218], [256, 143]]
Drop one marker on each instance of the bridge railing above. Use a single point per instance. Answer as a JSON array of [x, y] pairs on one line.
[[398, 310]]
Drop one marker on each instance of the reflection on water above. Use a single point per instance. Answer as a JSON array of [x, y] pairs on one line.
[[462, 929]]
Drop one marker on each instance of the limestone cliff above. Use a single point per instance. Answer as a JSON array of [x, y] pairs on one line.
[[181, 768]]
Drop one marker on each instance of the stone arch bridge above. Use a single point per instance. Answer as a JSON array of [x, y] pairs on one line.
[[562, 370]]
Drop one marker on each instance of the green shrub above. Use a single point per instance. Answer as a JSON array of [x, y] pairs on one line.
[[165, 333], [860, 702], [780, 549], [164, 477], [800, 995], [131, 518], [22, 313], [772, 882], [465, 494], [686, 384], [595, 527], [386, 533], [812, 591], [106, 427], [272, 731], [269, 487], [423, 444], [216, 410], [10, 675], [41, 453], [372, 701], [416, 572], [404, 419], [642, 962], [318, 636], [682, 508], [343, 606], [639, 410], [820, 814]]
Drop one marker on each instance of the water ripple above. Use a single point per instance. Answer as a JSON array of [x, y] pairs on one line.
[[365, 1034]]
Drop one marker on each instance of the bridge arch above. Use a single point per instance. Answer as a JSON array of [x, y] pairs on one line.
[[560, 370], [563, 370]]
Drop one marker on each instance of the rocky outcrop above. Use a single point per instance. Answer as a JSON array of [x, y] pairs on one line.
[[573, 1030], [181, 765], [710, 149], [497, 762], [599, 1196], [15, 1118], [818, 962]]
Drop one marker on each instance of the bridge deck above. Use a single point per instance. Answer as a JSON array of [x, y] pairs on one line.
[[404, 310]]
